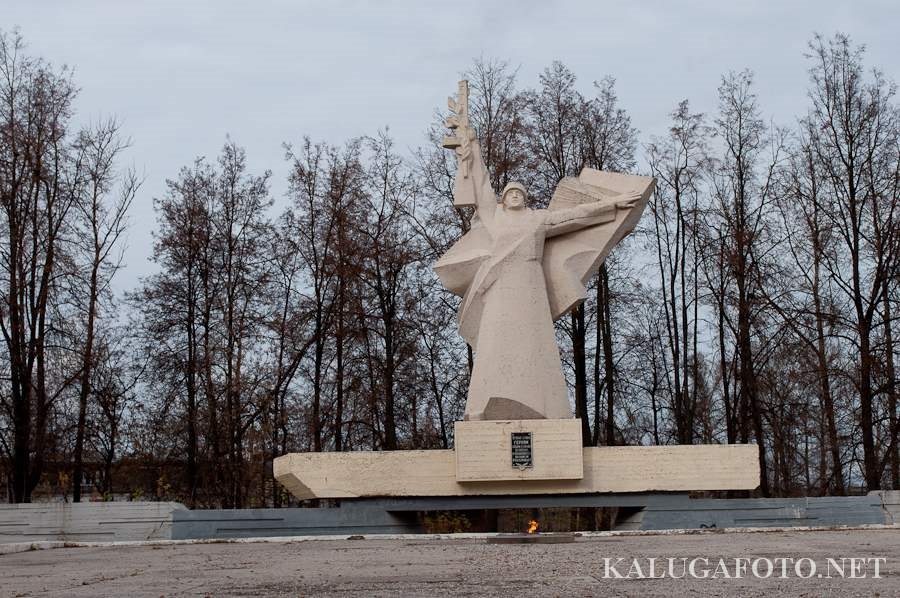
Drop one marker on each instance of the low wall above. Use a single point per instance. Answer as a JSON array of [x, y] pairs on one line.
[[890, 500], [766, 512], [88, 521], [257, 523], [130, 521]]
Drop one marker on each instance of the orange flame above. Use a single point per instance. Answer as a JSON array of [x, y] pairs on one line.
[[532, 526]]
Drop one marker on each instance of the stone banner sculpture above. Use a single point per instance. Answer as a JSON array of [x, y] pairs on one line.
[[519, 269]]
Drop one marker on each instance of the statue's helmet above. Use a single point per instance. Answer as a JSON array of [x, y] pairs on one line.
[[514, 185]]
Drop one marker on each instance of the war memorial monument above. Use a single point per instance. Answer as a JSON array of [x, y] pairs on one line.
[[518, 270]]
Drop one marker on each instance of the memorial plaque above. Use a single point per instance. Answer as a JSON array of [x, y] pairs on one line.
[[522, 450]]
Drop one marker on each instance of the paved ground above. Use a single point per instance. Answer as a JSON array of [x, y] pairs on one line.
[[468, 567]]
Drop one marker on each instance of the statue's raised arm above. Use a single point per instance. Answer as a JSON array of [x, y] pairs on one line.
[[472, 186]]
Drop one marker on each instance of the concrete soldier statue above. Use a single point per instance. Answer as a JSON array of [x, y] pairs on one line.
[[518, 270]]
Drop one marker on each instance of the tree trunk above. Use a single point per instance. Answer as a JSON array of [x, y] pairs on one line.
[[317, 384], [390, 424], [871, 468], [604, 317], [748, 390], [578, 357], [85, 386], [825, 384], [891, 375]]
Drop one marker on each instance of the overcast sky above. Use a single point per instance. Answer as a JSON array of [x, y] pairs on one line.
[[181, 75]]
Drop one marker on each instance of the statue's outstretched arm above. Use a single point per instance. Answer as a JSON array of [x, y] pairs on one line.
[[559, 222]]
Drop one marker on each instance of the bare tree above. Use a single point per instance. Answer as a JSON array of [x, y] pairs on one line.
[[114, 378], [40, 173], [496, 112], [322, 183], [175, 308], [743, 196], [289, 342], [608, 142], [391, 251], [239, 229], [680, 162], [202, 318], [809, 307], [856, 128], [102, 225]]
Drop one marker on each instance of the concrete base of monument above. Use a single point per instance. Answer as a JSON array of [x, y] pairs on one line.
[[518, 450], [486, 468]]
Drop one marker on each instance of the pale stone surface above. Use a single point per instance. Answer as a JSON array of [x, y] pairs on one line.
[[483, 450], [519, 269], [675, 468]]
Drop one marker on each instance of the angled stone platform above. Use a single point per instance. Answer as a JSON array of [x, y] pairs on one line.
[[677, 468]]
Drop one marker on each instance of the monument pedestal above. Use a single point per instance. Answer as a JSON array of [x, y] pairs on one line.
[[482, 464], [525, 449]]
